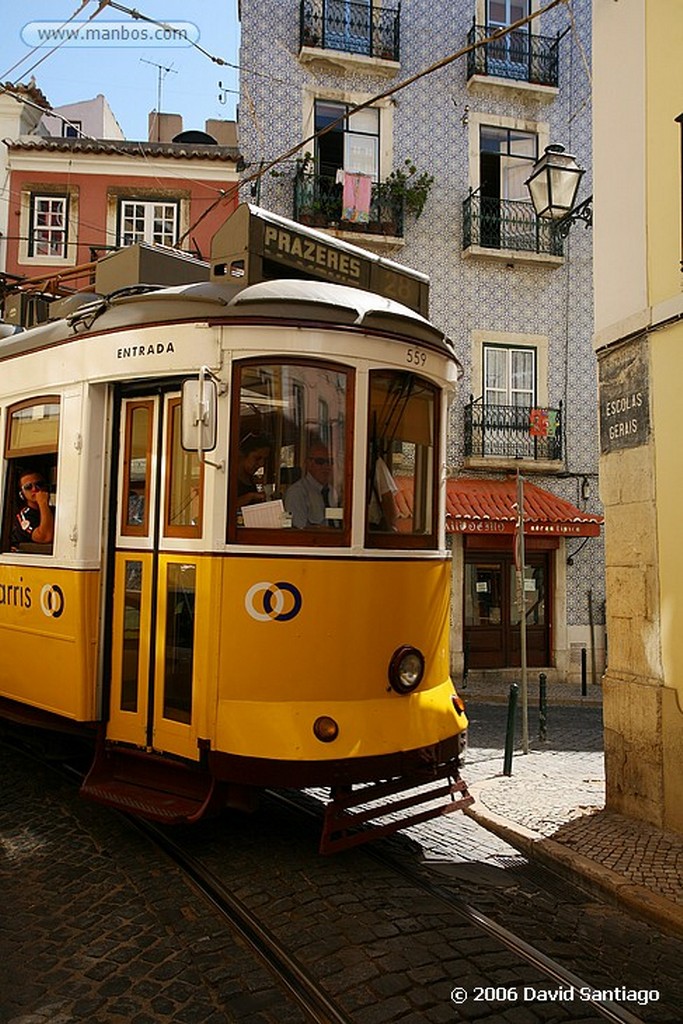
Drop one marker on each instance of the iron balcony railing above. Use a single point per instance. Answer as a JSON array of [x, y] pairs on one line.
[[362, 28], [519, 56], [507, 224], [318, 202], [512, 431]]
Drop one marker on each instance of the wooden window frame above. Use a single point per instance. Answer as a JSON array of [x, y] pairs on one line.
[[193, 530], [142, 530], [311, 537]]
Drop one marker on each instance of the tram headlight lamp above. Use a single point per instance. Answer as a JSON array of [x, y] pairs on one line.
[[325, 729], [406, 669]]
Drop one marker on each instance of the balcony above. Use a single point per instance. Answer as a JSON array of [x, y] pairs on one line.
[[352, 28], [508, 226], [506, 432], [318, 203], [516, 57]]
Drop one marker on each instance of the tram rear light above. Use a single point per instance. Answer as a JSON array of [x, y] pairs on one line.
[[325, 729], [406, 669]]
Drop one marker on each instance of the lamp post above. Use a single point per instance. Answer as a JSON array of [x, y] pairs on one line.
[[553, 184]]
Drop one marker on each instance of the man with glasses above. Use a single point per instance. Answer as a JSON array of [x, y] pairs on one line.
[[35, 522], [312, 498]]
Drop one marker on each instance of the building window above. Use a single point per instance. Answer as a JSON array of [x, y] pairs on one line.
[[48, 232], [72, 130], [509, 376], [147, 221], [506, 157], [351, 145], [508, 56]]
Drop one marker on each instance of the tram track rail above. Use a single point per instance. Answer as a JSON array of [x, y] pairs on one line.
[[288, 972], [550, 969]]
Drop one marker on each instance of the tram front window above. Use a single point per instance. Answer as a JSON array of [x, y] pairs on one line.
[[401, 467], [290, 461]]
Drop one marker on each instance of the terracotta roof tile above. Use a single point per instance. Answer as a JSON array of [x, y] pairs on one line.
[[476, 500]]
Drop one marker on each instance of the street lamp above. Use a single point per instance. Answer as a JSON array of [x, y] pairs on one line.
[[553, 184]]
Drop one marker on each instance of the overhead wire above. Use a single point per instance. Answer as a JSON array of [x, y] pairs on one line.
[[266, 167], [84, 3]]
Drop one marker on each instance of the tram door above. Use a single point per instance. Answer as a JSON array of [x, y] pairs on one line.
[[159, 489]]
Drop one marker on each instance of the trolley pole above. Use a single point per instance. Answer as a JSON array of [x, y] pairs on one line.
[[520, 558]]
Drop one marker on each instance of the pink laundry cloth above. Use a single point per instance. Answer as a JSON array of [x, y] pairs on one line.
[[356, 198]]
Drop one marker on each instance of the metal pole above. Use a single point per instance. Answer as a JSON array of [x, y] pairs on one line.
[[542, 708], [510, 730], [584, 672], [520, 558]]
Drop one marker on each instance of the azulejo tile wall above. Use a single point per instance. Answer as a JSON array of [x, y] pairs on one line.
[[432, 121]]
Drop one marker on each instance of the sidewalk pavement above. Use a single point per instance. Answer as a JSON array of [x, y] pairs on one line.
[[551, 808]]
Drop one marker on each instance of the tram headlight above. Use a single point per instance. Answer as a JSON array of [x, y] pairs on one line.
[[406, 669], [325, 729]]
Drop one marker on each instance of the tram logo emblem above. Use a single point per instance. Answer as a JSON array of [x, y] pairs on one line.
[[52, 600], [277, 602]]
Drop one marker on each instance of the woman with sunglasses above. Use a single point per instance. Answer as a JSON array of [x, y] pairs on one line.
[[35, 522]]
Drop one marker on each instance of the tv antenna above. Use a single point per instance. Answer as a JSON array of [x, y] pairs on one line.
[[162, 71]]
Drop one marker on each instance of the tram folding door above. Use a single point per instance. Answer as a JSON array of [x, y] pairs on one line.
[[158, 572]]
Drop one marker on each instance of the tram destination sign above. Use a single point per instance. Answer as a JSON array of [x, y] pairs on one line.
[[254, 245], [624, 397]]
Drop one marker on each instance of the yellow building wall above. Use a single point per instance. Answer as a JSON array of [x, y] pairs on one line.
[[664, 103], [638, 93]]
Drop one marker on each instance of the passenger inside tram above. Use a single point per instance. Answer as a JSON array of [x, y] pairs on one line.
[[34, 523], [254, 451]]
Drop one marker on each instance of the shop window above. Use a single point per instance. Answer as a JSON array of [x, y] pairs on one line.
[[401, 468], [31, 448], [290, 456]]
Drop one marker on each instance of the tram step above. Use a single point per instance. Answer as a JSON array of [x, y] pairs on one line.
[[349, 817], [148, 786]]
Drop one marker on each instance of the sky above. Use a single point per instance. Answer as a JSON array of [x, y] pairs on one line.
[[116, 67]]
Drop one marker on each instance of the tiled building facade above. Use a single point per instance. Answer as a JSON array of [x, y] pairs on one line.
[[516, 300]]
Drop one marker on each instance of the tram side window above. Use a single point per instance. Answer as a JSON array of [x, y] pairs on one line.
[[401, 467], [290, 460], [31, 448]]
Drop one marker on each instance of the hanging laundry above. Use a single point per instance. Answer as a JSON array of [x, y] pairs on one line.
[[356, 198]]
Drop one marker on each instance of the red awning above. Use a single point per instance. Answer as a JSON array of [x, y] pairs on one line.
[[480, 506]]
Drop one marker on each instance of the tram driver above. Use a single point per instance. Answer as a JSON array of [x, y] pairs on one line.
[[309, 499], [35, 520]]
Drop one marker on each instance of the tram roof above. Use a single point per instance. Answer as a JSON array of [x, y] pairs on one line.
[[280, 300]]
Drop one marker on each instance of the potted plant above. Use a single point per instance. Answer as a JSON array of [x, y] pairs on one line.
[[405, 189]]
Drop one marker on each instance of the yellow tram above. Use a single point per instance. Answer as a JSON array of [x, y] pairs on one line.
[[248, 583]]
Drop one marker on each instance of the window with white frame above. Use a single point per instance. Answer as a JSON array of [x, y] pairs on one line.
[[142, 220], [509, 376], [352, 144], [48, 230]]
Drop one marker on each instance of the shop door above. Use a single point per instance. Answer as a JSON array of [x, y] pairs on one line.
[[159, 500], [491, 612]]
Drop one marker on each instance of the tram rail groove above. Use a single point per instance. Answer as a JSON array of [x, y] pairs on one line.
[[285, 969], [546, 965], [303, 988]]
